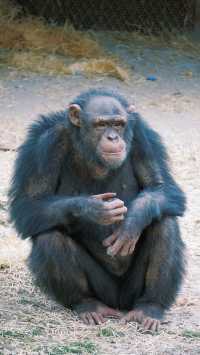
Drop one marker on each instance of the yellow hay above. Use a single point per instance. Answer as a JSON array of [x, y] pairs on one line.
[[37, 46], [57, 65], [38, 62], [36, 35], [106, 67]]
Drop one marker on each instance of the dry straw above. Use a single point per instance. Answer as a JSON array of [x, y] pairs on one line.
[[34, 45]]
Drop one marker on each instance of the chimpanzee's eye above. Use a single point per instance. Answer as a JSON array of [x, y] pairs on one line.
[[101, 124], [119, 124]]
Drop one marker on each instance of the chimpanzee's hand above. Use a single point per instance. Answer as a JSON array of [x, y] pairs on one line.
[[106, 209], [122, 241]]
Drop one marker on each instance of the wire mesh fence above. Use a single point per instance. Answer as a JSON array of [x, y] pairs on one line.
[[147, 16]]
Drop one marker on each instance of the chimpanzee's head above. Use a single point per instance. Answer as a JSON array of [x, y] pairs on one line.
[[102, 127]]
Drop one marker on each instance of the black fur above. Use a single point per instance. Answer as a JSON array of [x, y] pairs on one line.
[[50, 202]]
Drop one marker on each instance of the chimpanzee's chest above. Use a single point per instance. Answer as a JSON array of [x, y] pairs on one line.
[[124, 184]]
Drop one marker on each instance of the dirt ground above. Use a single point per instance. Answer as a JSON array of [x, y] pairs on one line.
[[30, 323]]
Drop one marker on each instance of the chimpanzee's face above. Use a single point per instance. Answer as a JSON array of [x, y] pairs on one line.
[[102, 130]]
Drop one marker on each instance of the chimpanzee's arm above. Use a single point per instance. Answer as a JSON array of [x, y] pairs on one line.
[[35, 207], [36, 175], [160, 195]]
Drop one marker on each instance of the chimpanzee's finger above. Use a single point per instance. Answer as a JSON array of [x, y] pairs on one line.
[[132, 247], [155, 326], [116, 203], [117, 211], [112, 219], [87, 318], [98, 318], [125, 250], [108, 241], [105, 196], [116, 219], [90, 319], [115, 248]]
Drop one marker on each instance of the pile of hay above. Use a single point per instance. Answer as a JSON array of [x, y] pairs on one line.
[[32, 44]]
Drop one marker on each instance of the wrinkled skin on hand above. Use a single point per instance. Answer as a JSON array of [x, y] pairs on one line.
[[123, 240], [106, 209], [109, 210]]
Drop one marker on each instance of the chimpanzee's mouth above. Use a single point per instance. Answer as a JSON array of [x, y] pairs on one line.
[[113, 155], [114, 152]]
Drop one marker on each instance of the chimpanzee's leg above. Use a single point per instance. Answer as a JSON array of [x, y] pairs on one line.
[[156, 274], [64, 269]]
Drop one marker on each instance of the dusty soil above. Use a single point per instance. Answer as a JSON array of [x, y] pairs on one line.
[[30, 323]]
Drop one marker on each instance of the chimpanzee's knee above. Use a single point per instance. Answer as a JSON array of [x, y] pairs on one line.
[[166, 263], [55, 264], [158, 266]]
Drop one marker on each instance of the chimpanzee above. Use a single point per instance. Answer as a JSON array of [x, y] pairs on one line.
[[93, 190]]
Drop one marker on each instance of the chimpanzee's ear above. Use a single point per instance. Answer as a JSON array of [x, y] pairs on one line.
[[74, 114], [131, 109]]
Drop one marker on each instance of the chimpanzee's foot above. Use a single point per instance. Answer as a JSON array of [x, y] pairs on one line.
[[94, 312], [148, 315]]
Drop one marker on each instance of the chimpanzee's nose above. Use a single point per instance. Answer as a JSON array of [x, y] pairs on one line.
[[112, 136]]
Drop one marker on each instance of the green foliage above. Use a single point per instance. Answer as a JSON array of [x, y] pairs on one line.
[[191, 333], [19, 335], [76, 347], [109, 332], [11, 334], [36, 331]]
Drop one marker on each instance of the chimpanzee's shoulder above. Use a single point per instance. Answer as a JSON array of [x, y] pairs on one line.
[[47, 122]]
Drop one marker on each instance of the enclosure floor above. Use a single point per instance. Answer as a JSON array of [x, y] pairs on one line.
[[29, 322]]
